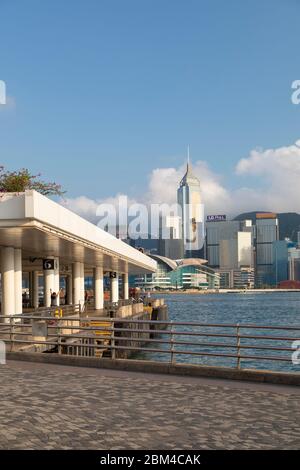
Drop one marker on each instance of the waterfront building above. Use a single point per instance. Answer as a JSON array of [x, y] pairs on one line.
[[280, 261], [229, 248], [234, 245], [188, 273], [286, 261], [294, 263], [41, 239], [190, 201], [216, 231], [242, 278], [236, 252], [267, 232], [170, 237]]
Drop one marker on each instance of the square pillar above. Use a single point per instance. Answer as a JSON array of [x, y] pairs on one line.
[[82, 290], [8, 281], [35, 289], [69, 289], [56, 286], [18, 281], [76, 277], [125, 286], [114, 287], [51, 283], [48, 286], [30, 286], [98, 288]]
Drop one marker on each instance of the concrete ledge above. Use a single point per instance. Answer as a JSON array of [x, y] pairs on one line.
[[192, 370]]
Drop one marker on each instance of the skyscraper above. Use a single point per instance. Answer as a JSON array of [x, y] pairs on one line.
[[190, 201], [172, 245], [227, 230], [267, 232]]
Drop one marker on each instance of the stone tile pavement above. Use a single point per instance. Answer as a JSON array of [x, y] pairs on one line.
[[57, 407]]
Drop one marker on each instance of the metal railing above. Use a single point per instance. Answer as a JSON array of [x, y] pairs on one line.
[[61, 310], [108, 307], [119, 337]]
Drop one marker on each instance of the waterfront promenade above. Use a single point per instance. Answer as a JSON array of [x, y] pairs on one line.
[[46, 406]]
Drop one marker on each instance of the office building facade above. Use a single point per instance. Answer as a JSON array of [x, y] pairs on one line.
[[189, 199], [191, 273], [266, 233], [170, 242]]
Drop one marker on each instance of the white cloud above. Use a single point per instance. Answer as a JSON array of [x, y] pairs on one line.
[[83, 206], [276, 174], [87, 208]]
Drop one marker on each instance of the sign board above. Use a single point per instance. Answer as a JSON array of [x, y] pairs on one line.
[[49, 264], [216, 218], [112, 275], [266, 215]]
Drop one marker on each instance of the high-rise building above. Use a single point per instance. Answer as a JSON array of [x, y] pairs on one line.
[[189, 198], [267, 232], [236, 257], [242, 278], [294, 262], [224, 245], [280, 261], [286, 261], [236, 252], [170, 242]]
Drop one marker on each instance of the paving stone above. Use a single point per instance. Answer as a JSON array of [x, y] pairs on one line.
[[58, 409]]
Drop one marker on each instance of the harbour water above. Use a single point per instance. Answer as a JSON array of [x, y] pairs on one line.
[[274, 309]]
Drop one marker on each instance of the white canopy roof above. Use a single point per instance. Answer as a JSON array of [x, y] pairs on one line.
[[43, 228]]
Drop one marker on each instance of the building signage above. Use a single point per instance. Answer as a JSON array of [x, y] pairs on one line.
[[49, 264], [216, 218], [266, 215], [113, 275]]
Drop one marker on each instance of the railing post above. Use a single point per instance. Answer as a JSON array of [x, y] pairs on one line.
[[172, 343], [112, 341], [238, 344], [59, 336]]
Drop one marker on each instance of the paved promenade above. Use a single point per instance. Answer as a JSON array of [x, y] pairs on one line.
[[57, 407]]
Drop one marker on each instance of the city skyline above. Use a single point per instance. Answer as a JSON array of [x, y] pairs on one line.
[[163, 185]]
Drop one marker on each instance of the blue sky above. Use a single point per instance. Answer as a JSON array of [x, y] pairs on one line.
[[103, 92]]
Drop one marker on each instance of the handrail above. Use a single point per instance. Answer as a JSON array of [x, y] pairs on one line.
[[156, 322], [121, 335]]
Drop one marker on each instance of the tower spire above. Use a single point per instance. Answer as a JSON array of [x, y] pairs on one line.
[[188, 158]]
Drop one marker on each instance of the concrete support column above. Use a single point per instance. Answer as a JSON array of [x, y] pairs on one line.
[[18, 280], [56, 279], [69, 289], [125, 287], [114, 288], [82, 290], [35, 285], [48, 286], [76, 275], [30, 286], [8, 281], [98, 288]]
